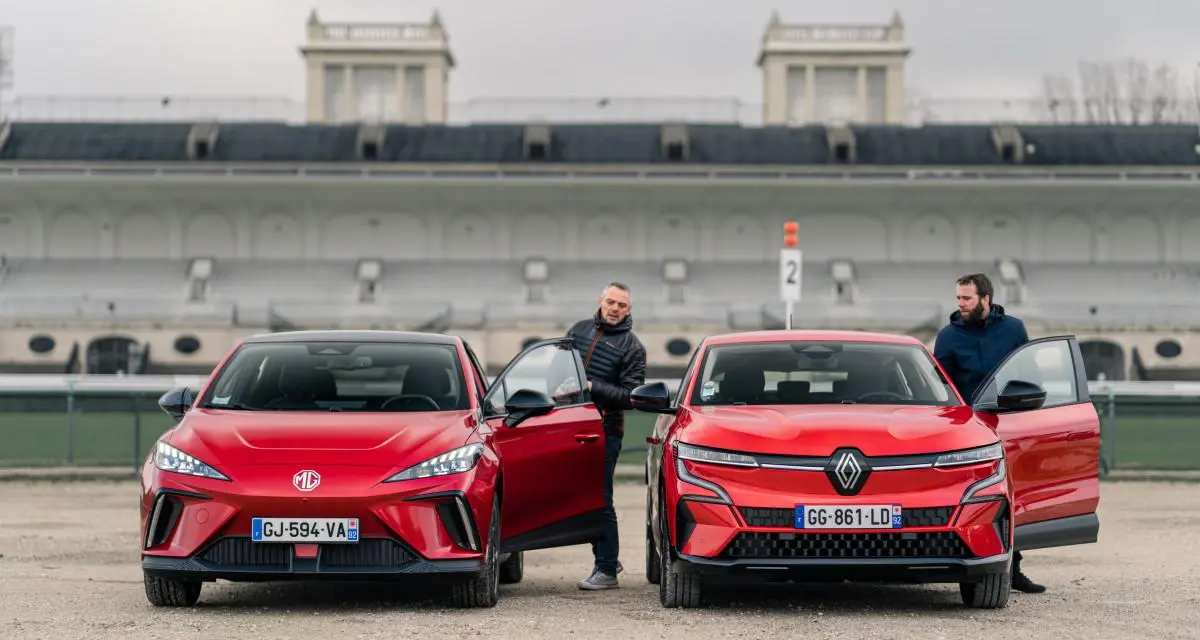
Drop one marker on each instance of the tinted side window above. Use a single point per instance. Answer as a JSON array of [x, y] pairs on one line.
[[1047, 364]]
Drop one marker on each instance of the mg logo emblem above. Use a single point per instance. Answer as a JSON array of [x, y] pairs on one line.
[[847, 471], [306, 480]]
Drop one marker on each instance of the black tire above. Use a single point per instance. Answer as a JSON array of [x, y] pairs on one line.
[[991, 593], [164, 592], [679, 587], [483, 590], [513, 569], [653, 566]]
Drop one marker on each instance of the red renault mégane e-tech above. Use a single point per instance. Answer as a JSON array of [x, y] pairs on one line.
[[841, 455], [370, 455]]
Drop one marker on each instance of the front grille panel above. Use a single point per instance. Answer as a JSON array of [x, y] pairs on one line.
[[922, 517], [939, 544]]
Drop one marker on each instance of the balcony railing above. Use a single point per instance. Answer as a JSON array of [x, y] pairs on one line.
[[375, 32]]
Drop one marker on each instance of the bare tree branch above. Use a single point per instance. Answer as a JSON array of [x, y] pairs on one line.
[[1127, 91]]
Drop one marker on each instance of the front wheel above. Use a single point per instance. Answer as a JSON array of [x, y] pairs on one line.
[[164, 592], [484, 589], [679, 586], [653, 568], [991, 593], [513, 569]]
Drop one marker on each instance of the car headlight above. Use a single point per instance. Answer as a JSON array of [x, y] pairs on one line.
[[971, 456], [168, 458], [701, 454], [456, 461]]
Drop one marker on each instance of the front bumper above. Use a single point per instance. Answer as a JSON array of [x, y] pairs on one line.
[[918, 570], [237, 559]]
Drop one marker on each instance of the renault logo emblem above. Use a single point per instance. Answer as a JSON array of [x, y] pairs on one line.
[[848, 471]]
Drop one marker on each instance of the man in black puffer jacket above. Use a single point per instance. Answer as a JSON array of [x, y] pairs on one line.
[[615, 363]]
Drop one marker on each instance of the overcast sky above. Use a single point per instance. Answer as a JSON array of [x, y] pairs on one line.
[[977, 48]]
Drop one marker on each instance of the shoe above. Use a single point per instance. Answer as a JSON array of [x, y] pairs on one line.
[[598, 581], [1022, 583], [620, 567]]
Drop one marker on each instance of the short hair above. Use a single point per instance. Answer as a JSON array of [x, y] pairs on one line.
[[617, 285], [983, 284]]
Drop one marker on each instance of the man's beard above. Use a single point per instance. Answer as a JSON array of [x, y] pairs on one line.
[[975, 316]]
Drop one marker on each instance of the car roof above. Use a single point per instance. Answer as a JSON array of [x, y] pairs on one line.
[[809, 335], [353, 335]]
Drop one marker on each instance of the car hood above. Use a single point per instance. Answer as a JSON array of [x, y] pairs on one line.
[[876, 430], [253, 438]]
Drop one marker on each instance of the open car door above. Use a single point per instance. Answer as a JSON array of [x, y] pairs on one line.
[[1037, 401], [551, 443]]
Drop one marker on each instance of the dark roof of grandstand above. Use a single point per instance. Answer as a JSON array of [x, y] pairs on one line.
[[947, 145]]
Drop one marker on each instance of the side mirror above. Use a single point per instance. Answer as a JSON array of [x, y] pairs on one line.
[[177, 402], [652, 398], [1019, 395], [526, 404]]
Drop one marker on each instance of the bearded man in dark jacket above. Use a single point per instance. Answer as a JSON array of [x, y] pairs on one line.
[[980, 335], [615, 363]]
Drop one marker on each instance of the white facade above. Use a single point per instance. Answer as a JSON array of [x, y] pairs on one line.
[[377, 72], [603, 223], [833, 74]]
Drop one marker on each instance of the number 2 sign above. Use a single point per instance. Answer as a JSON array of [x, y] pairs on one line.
[[789, 275]]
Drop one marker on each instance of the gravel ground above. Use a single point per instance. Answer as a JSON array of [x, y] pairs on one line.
[[69, 569]]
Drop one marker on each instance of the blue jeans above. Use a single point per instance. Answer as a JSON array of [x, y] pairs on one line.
[[607, 547]]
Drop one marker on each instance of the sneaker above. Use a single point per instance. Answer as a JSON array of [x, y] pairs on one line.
[[599, 580], [1022, 583]]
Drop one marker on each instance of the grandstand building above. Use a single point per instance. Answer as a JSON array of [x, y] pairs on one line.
[[151, 247]]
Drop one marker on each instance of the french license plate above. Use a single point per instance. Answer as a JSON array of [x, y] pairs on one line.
[[889, 516], [304, 529]]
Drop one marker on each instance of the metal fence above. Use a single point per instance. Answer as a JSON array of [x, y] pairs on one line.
[[112, 421]]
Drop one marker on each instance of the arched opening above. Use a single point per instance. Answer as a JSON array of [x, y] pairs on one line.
[[112, 355], [1103, 357]]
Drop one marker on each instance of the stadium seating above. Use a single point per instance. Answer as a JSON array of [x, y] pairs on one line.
[[474, 294]]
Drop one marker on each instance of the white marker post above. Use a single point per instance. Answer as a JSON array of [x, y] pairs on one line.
[[789, 269]]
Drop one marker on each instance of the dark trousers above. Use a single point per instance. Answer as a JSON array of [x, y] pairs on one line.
[[607, 547]]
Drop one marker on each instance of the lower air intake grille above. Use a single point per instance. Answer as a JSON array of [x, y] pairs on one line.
[[242, 552], [371, 552], [942, 544]]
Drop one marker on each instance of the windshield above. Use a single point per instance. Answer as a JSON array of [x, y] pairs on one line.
[[820, 373], [340, 376]]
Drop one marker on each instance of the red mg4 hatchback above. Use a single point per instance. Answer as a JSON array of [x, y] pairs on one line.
[[370, 455], [822, 455]]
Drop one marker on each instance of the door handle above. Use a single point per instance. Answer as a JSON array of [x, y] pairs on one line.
[[585, 438], [653, 440]]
